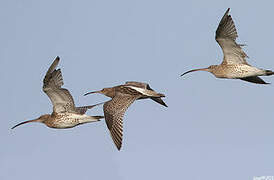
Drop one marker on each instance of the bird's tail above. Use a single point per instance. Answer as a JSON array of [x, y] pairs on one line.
[[269, 72], [159, 100]]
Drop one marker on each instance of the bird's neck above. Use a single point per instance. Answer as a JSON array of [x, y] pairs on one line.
[[47, 118]]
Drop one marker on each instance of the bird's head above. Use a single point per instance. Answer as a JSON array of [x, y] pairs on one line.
[[41, 119]]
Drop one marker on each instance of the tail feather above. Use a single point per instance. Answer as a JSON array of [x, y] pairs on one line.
[[269, 72], [159, 100]]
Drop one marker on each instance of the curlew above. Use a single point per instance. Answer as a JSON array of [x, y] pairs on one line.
[[65, 114], [234, 65], [122, 97]]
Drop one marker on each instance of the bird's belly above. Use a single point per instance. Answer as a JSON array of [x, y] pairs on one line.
[[66, 120], [237, 72], [70, 120], [66, 123]]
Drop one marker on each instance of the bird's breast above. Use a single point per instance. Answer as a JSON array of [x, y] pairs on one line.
[[64, 120]]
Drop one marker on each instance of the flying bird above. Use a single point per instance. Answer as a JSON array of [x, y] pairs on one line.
[[65, 114], [122, 97], [234, 65]]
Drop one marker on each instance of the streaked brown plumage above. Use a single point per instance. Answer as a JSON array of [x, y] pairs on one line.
[[234, 65], [65, 114], [122, 97]]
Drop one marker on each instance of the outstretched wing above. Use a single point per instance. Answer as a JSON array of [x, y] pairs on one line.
[[114, 111], [146, 86], [226, 35], [61, 98]]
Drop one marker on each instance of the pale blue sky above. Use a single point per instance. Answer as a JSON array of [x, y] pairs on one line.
[[213, 128]]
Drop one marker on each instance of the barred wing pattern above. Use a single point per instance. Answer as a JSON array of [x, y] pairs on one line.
[[114, 111], [60, 98], [226, 35]]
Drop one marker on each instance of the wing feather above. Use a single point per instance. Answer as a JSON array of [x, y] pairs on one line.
[[114, 111], [226, 35], [61, 98]]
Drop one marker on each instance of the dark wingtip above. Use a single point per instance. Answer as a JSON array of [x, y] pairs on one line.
[[57, 59], [163, 103], [226, 13]]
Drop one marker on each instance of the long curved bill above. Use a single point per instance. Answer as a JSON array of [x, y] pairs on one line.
[[34, 120], [92, 92], [202, 69]]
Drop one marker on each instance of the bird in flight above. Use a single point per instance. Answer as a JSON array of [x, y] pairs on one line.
[[65, 114], [122, 97], [234, 65]]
